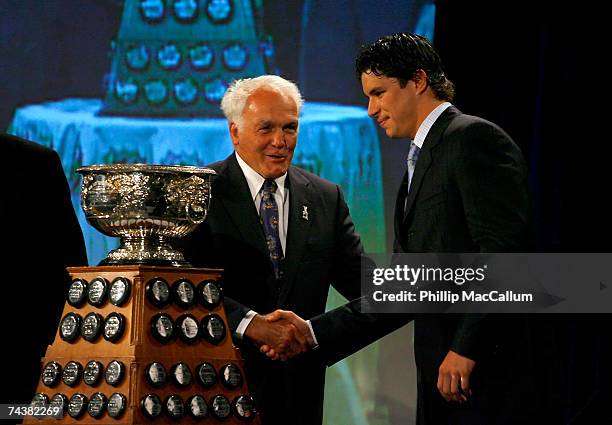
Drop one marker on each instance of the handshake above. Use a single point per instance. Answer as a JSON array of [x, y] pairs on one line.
[[280, 335]]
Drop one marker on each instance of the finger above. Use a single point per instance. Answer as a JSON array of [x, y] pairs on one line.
[[446, 387], [297, 321], [272, 355], [274, 316], [287, 315], [454, 388], [269, 352], [465, 384], [440, 385]]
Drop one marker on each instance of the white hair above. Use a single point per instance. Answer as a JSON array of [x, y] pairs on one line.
[[235, 97]]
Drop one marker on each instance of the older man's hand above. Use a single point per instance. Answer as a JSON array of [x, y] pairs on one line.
[[281, 337], [286, 318]]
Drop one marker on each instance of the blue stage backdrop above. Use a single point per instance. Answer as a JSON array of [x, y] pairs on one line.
[[139, 81]]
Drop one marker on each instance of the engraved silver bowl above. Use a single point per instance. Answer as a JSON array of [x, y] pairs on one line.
[[145, 205]]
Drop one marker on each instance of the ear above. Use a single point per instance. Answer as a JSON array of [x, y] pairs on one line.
[[420, 81], [233, 130]]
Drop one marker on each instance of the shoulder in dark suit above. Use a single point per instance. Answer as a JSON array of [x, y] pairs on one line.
[[469, 191], [41, 238]]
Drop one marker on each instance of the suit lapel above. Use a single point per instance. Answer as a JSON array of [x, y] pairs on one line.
[[400, 203], [234, 196], [425, 156], [300, 219]]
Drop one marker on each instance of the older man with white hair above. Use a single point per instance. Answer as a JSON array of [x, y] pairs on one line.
[[282, 235]]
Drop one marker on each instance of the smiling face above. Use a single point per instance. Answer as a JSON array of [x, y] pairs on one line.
[[394, 108], [268, 133]]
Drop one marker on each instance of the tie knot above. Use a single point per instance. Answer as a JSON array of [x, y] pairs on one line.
[[269, 186]]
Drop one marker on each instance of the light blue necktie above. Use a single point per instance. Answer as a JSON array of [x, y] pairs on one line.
[[413, 156]]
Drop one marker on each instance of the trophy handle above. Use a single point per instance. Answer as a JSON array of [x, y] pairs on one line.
[[189, 209]]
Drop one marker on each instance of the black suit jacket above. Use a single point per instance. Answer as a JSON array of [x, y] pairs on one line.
[[468, 194], [41, 236], [322, 248]]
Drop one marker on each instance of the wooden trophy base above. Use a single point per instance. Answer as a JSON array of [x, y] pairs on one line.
[[146, 339]]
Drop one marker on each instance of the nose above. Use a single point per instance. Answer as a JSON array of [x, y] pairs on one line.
[[373, 108], [278, 139]]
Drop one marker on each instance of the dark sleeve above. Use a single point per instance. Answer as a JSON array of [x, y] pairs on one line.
[[235, 312], [491, 177], [345, 330]]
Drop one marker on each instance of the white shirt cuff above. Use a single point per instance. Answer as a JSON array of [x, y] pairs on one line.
[[314, 338], [244, 323]]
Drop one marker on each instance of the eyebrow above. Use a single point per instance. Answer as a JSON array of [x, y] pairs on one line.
[[269, 122], [374, 89]]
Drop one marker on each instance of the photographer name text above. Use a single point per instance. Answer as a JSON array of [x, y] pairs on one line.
[[452, 297]]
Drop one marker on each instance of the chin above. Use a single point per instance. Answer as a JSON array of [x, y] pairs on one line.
[[394, 134], [274, 174]]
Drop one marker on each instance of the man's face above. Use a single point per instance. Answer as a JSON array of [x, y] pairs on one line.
[[268, 134], [393, 107]]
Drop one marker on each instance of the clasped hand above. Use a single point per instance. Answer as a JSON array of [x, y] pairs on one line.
[[280, 334]]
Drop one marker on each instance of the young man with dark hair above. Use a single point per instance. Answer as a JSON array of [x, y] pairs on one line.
[[464, 190]]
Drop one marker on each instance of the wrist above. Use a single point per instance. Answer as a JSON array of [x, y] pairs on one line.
[[253, 329]]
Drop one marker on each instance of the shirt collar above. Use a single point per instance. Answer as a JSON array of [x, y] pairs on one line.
[[256, 181], [428, 122]]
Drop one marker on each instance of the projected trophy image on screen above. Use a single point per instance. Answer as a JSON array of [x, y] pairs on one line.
[[144, 338], [177, 57]]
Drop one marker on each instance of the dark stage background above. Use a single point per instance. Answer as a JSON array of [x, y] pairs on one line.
[[536, 69]]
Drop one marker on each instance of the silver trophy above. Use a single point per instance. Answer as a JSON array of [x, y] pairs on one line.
[[145, 205]]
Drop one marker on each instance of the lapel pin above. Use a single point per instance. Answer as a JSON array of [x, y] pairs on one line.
[[305, 212]]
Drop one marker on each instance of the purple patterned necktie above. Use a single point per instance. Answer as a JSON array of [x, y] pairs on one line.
[[268, 216]]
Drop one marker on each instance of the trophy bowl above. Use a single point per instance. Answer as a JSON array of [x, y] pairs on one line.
[[145, 205]]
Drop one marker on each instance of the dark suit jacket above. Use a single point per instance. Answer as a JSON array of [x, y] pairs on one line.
[[41, 236], [321, 249], [469, 194]]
